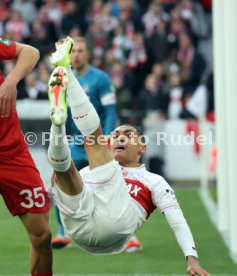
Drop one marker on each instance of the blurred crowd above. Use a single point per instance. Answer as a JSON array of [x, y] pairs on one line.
[[157, 52]]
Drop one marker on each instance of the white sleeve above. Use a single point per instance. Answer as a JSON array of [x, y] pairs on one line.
[[83, 172], [182, 231], [163, 196], [166, 202]]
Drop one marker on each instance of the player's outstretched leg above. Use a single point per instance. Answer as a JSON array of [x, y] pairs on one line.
[[61, 58], [68, 183], [59, 153], [84, 114]]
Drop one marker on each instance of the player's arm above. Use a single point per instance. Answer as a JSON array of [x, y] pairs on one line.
[[26, 58], [167, 203], [108, 100], [185, 240]]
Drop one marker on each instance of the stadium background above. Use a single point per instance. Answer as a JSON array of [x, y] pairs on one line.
[[159, 56]]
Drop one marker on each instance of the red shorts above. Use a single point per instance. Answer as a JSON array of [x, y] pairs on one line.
[[21, 186]]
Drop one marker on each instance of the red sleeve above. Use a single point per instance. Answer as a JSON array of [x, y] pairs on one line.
[[7, 49]]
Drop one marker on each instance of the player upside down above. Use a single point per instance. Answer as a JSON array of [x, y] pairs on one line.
[[102, 206]]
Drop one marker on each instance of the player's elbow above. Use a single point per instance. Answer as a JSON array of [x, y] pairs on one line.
[[33, 53], [36, 54]]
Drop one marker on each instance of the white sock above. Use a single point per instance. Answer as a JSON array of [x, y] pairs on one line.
[[59, 154], [84, 114]]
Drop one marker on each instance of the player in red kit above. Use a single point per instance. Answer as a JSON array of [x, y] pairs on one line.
[[20, 184]]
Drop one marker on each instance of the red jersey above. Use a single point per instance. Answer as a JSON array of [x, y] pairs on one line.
[[12, 142]]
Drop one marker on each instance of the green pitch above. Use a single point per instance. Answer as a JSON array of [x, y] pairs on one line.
[[161, 254]]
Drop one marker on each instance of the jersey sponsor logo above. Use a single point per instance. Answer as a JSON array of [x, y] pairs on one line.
[[7, 42], [133, 189], [139, 192]]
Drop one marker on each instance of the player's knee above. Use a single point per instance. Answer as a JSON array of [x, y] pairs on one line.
[[41, 241]]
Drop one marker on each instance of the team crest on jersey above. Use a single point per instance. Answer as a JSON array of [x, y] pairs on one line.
[[125, 173], [5, 41]]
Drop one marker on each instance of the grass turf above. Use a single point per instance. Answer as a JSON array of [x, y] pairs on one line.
[[161, 254]]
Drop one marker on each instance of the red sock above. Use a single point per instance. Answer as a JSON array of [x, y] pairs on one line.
[[42, 274]]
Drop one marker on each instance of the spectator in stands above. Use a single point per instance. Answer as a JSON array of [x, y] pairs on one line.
[[40, 39], [97, 38], [16, 27], [186, 10], [152, 98], [191, 61], [109, 60], [169, 5], [47, 24], [122, 82], [26, 8], [72, 17], [151, 18], [96, 10], [175, 27], [4, 16], [120, 44], [30, 84], [175, 88], [137, 55], [159, 71], [132, 9], [42, 80], [158, 40], [109, 22], [116, 31]]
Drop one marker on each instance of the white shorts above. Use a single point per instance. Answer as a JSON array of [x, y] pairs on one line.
[[106, 217]]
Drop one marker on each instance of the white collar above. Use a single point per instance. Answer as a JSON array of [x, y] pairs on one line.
[[141, 167]]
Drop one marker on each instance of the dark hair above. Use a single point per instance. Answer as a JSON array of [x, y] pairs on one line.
[[139, 131]]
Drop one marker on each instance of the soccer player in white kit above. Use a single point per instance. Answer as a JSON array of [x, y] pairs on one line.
[[104, 204]]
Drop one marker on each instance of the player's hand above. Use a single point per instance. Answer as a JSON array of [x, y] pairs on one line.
[[194, 267], [8, 92]]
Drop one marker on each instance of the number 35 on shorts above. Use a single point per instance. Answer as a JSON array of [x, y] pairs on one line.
[[32, 198]]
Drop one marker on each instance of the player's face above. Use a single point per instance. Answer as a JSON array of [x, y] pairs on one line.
[[79, 55], [126, 146]]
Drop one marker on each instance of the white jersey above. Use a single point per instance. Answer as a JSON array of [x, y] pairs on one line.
[[114, 203], [149, 190]]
